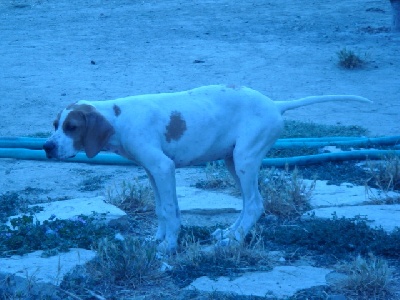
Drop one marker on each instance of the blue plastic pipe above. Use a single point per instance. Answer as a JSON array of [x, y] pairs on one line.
[[37, 143], [27, 153]]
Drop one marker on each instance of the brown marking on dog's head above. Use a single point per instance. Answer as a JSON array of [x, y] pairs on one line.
[[176, 127], [117, 110], [56, 122], [88, 129]]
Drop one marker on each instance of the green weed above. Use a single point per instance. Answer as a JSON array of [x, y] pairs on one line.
[[26, 234], [349, 60], [338, 237]]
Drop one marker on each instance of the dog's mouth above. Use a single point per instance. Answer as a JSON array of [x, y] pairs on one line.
[[53, 151], [58, 158]]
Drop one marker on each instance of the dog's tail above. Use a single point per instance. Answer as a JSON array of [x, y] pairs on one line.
[[286, 105]]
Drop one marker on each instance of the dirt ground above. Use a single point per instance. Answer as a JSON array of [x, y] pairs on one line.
[[53, 53]]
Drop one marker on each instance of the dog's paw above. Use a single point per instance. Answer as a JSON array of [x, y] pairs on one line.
[[218, 234], [222, 234], [227, 242], [224, 243], [166, 248]]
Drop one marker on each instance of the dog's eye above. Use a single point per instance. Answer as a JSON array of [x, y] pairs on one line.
[[70, 127]]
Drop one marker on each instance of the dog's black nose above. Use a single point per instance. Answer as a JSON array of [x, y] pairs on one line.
[[49, 147]]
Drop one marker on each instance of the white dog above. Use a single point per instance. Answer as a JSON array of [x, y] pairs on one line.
[[164, 131]]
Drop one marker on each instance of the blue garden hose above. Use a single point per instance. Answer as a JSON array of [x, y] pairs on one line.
[[31, 149], [37, 143]]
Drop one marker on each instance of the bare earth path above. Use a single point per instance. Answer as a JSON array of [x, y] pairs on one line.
[[53, 53]]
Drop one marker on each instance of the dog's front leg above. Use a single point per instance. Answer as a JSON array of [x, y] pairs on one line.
[[161, 172], [161, 228]]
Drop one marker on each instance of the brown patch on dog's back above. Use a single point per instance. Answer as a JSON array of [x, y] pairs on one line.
[[117, 110], [176, 127]]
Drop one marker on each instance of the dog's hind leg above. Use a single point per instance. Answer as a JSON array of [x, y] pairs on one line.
[[245, 171], [220, 234], [246, 162]]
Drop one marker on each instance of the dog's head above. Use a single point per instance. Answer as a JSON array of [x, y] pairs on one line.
[[78, 127]]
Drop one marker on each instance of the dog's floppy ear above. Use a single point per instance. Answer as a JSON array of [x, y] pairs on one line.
[[98, 131]]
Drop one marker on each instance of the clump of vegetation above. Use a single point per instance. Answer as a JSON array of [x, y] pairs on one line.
[[230, 260], [285, 194], [123, 263], [93, 183], [349, 60], [132, 198], [385, 174], [128, 261], [367, 277], [336, 173], [217, 177], [26, 234], [297, 129], [337, 236], [11, 204]]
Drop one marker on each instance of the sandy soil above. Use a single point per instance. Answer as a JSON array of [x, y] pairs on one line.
[[53, 53]]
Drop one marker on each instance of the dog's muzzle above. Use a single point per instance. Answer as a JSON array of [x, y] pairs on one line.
[[50, 148]]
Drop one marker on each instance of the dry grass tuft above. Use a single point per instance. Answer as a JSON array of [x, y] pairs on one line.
[[284, 192], [128, 261], [134, 197], [385, 174], [367, 277], [197, 260], [349, 60]]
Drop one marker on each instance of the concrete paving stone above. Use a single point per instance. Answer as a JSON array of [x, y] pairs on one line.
[[39, 275], [67, 209], [204, 201], [344, 194], [281, 282], [385, 216]]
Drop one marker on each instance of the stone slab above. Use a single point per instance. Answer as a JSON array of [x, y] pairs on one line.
[[344, 194], [282, 282], [385, 216], [67, 209], [40, 275], [204, 201]]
